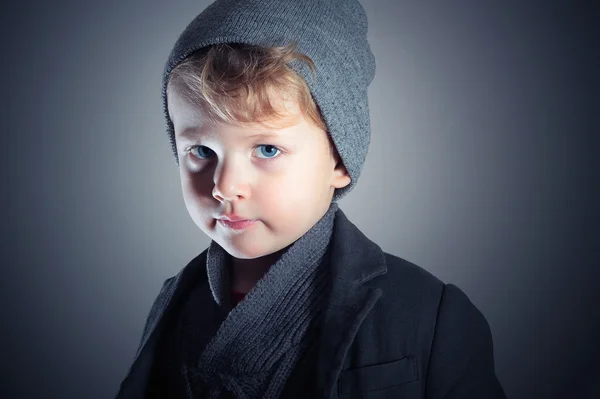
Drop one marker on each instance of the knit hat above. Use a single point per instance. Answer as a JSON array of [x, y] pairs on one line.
[[333, 33]]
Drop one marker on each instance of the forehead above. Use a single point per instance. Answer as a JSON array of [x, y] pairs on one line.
[[182, 110], [243, 133], [190, 119]]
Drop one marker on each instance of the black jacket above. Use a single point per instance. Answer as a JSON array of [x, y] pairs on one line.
[[392, 330]]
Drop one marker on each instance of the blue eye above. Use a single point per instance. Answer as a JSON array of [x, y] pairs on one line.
[[205, 153], [269, 150]]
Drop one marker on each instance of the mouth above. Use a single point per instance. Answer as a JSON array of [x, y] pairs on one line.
[[236, 225]]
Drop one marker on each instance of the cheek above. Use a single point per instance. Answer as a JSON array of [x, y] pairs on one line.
[[302, 181], [187, 186], [194, 192], [312, 172]]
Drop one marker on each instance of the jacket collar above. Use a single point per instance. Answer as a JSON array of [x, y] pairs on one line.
[[354, 261]]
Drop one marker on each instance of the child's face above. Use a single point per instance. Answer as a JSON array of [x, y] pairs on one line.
[[284, 180]]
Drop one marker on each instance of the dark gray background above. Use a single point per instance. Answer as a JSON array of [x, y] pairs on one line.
[[481, 170]]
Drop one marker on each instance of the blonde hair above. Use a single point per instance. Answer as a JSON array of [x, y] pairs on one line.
[[236, 83]]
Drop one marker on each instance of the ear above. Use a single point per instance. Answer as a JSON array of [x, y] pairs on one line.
[[340, 177]]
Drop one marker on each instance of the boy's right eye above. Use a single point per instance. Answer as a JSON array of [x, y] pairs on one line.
[[203, 152]]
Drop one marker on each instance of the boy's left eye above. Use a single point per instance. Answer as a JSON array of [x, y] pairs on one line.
[[270, 151]]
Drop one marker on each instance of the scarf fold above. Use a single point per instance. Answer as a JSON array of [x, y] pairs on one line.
[[258, 344]]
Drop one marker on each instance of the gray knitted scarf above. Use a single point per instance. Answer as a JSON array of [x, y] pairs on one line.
[[257, 346]]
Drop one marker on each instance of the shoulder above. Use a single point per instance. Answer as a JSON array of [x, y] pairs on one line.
[[404, 317], [409, 283], [412, 288], [399, 267], [159, 304], [424, 311], [186, 277], [194, 271]]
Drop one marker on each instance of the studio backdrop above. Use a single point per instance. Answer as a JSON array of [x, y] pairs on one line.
[[480, 170]]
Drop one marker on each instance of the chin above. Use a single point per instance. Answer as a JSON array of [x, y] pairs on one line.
[[242, 251]]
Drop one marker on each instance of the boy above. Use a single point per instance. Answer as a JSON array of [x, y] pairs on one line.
[[267, 115]]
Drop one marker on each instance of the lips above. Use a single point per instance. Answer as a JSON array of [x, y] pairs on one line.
[[233, 218], [236, 225]]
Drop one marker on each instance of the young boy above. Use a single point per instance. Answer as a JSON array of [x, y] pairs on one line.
[[267, 114]]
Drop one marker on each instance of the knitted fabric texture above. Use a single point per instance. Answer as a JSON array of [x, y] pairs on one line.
[[260, 341], [333, 33]]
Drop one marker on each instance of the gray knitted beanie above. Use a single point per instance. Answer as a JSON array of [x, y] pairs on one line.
[[333, 33]]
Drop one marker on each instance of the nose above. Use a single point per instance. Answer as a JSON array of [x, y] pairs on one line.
[[231, 182]]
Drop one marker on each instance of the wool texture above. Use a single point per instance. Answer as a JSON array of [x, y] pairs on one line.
[[259, 343]]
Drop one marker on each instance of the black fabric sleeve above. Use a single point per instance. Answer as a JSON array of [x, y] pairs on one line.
[[461, 364]]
